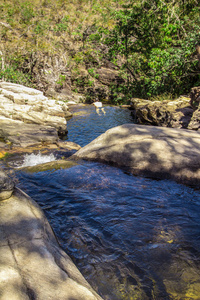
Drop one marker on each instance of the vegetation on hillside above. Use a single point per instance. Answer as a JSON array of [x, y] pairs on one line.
[[157, 41], [152, 44], [63, 27]]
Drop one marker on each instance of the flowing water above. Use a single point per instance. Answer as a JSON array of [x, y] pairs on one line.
[[35, 159], [131, 237], [89, 122]]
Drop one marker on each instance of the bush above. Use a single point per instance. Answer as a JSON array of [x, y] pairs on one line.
[[13, 75]]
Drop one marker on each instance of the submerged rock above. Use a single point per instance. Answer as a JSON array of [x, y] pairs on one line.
[[32, 264], [52, 165], [157, 152]]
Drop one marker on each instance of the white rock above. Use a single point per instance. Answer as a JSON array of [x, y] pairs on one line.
[[17, 88], [97, 104], [71, 103], [31, 106]]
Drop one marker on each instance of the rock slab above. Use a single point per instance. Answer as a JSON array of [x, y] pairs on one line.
[[28, 118], [32, 265], [157, 152]]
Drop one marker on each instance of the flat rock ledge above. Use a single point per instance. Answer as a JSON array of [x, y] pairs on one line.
[[157, 152], [28, 118], [32, 264]]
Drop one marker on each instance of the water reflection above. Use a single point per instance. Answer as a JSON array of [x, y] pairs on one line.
[[100, 111], [131, 237]]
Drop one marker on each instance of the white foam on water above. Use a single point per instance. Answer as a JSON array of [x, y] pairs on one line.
[[36, 159]]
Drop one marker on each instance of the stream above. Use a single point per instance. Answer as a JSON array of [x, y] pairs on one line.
[[131, 237]]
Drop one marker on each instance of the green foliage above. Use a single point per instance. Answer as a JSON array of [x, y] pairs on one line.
[[41, 27], [14, 70], [157, 40], [27, 12], [152, 43], [62, 25], [12, 74], [94, 37], [62, 79], [81, 82], [93, 73]]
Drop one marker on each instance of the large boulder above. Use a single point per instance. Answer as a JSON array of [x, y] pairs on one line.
[[167, 113], [20, 137], [195, 120], [158, 152], [32, 264]]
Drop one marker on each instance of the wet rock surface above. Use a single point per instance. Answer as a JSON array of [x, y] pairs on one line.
[[32, 264]]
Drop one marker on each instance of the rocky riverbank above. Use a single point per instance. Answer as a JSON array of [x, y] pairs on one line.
[[183, 112], [32, 265], [29, 119]]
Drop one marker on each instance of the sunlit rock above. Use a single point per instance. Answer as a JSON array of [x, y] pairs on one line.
[[158, 152], [167, 113], [30, 106], [97, 104], [71, 103]]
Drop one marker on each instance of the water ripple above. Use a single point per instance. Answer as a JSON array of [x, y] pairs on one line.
[[130, 236]]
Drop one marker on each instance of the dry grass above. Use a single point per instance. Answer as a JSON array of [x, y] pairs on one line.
[[49, 28]]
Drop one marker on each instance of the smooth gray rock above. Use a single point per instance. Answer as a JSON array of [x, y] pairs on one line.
[[17, 133], [158, 152], [32, 265]]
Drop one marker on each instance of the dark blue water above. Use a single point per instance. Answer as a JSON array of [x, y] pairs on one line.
[[131, 237], [89, 122]]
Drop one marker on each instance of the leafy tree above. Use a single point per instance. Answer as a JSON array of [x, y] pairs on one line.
[[156, 40]]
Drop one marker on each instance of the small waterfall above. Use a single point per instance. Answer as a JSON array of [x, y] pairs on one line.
[[36, 159]]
